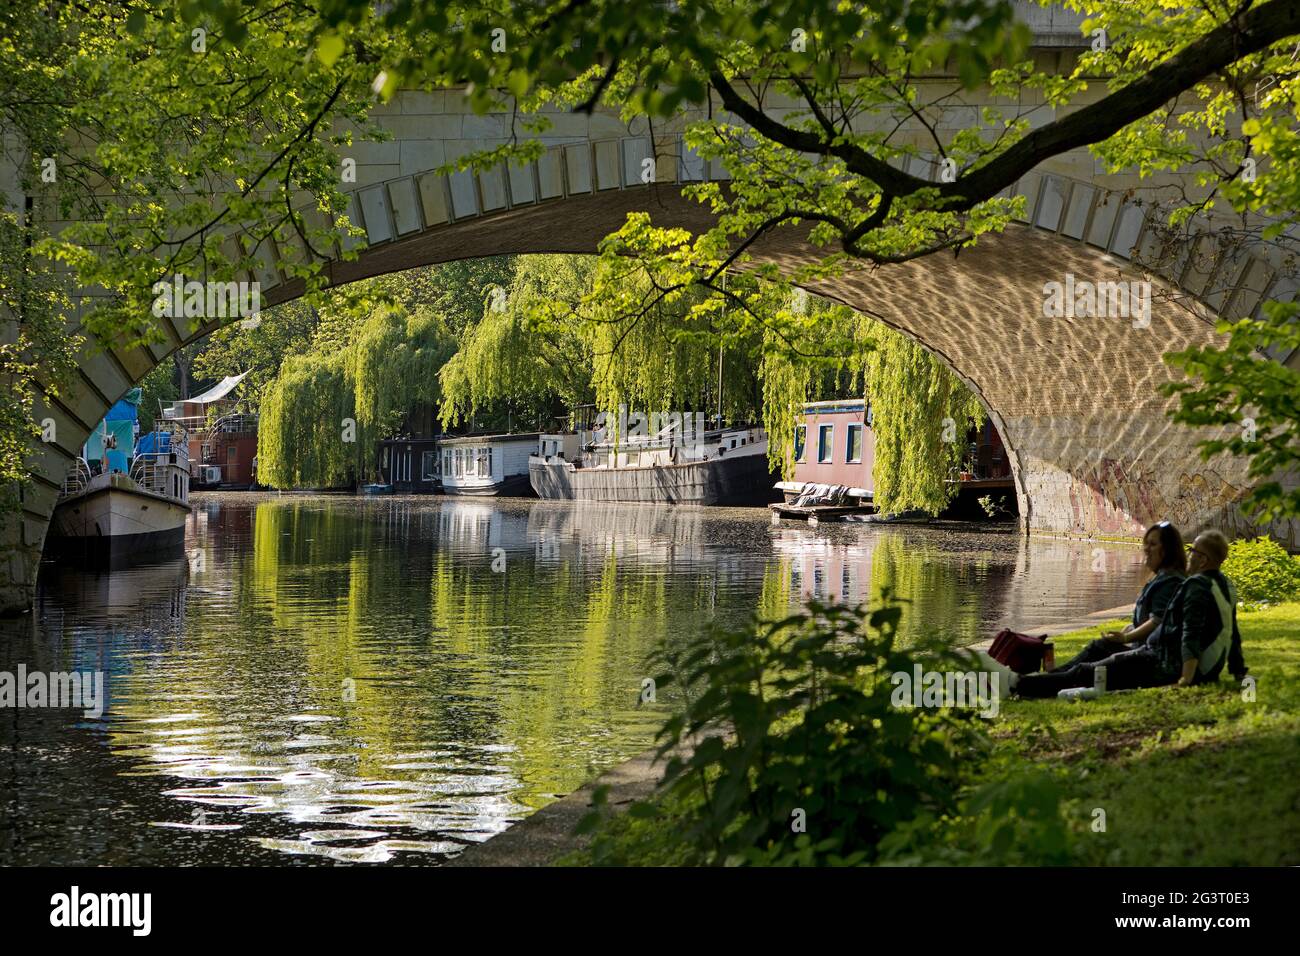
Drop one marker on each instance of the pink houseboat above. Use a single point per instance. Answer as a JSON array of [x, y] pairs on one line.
[[834, 446]]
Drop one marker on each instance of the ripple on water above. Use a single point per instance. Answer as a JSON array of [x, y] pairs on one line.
[[348, 681]]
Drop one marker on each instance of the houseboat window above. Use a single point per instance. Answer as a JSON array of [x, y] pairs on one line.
[[825, 443], [800, 442], [429, 466], [484, 462], [855, 443]]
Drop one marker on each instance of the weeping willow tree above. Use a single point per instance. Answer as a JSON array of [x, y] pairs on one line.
[[302, 429], [323, 414], [548, 342], [570, 330], [921, 409], [522, 353], [921, 414], [656, 352]]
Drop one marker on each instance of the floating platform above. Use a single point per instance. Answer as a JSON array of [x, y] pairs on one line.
[[814, 514]]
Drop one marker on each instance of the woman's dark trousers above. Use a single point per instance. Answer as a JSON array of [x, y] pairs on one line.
[[1095, 651], [1126, 668]]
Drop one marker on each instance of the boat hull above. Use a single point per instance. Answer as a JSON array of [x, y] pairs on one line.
[[516, 486], [117, 525], [740, 480]]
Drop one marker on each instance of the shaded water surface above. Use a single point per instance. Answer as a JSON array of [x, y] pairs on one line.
[[390, 680]]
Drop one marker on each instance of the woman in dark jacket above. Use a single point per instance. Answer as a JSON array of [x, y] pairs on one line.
[[1167, 561]]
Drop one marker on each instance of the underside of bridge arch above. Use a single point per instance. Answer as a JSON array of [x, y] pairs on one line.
[[1077, 401]]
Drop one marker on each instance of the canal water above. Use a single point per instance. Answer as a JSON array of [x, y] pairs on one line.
[[389, 680]]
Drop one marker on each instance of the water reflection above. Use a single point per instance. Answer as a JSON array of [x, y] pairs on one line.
[[391, 679]]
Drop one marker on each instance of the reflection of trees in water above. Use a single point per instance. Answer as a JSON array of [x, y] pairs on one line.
[[949, 594], [940, 597], [547, 656]]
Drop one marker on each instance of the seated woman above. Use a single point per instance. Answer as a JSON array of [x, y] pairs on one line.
[[1166, 559]]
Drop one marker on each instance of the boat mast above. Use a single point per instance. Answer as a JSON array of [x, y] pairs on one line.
[[724, 322]]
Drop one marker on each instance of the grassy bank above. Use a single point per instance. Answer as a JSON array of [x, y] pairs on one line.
[[1184, 776]]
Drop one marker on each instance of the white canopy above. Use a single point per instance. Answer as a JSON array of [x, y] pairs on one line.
[[218, 391]]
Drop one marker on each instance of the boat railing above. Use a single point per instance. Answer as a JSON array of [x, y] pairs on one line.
[[78, 478], [236, 423], [178, 450], [150, 472]]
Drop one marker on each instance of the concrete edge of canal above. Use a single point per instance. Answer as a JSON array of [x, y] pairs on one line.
[[547, 835]]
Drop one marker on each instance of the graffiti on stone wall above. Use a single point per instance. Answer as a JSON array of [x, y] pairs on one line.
[[1108, 499], [1112, 498]]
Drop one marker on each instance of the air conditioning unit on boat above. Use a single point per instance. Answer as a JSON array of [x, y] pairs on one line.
[[212, 475]]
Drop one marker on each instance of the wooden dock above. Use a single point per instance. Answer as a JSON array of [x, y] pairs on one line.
[[814, 514]]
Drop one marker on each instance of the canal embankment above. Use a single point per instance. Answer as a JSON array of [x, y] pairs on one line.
[[551, 833]]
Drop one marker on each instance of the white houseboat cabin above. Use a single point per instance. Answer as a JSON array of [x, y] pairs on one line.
[[487, 464]]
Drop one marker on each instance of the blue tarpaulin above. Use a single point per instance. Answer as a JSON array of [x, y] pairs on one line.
[[154, 443], [114, 437], [125, 408]]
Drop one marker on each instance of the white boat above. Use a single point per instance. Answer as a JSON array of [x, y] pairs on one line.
[[111, 517], [486, 465]]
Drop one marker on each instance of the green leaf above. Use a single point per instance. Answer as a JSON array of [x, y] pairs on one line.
[[329, 48]]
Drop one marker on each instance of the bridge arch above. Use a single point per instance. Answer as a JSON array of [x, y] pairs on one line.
[[1077, 401]]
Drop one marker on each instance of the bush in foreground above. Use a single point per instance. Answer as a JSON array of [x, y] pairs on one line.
[[788, 749]]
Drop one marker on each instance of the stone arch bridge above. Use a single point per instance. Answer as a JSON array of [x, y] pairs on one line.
[[1076, 401]]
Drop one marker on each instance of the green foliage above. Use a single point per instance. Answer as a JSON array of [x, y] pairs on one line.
[[1263, 572], [793, 721], [922, 412], [167, 142], [157, 389], [300, 431], [510, 356], [1014, 820], [321, 417], [36, 354]]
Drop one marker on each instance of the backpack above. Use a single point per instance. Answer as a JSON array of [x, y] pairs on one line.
[[1023, 653]]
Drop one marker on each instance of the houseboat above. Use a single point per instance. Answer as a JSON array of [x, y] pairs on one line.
[[834, 457], [834, 453], [126, 497], [222, 437], [985, 477], [410, 466], [681, 462], [487, 464]]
